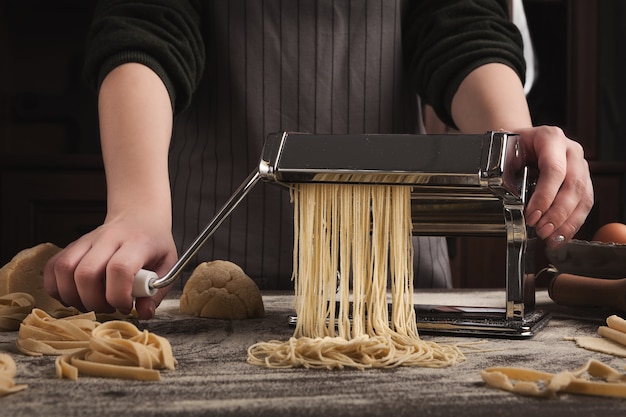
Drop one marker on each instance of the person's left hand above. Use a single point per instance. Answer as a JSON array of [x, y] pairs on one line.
[[564, 194]]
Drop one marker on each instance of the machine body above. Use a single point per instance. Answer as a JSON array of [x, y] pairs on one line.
[[462, 185]]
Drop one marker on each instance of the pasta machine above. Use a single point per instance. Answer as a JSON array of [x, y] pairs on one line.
[[462, 185]]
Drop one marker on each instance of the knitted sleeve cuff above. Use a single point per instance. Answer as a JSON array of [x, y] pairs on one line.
[[127, 57]]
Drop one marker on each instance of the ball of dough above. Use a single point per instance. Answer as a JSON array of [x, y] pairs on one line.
[[24, 273], [221, 290]]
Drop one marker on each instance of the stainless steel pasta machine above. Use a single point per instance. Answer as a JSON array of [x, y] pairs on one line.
[[462, 185]]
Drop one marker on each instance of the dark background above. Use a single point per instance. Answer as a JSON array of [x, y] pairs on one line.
[[52, 185]]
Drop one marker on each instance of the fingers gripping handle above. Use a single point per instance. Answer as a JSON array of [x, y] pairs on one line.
[[142, 283], [147, 283]]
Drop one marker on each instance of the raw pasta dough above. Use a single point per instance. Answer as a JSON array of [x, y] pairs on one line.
[[594, 378], [24, 273], [7, 373], [612, 338], [42, 334], [221, 290], [117, 349], [364, 232], [14, 307], [599, 344]]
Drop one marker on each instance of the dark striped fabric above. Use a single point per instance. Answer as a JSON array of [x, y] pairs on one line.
[[310, 66]]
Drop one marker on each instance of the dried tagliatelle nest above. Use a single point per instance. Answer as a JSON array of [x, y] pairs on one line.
[[221, 290]]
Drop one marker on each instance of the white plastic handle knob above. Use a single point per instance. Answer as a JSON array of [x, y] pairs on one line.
[[141, 283]]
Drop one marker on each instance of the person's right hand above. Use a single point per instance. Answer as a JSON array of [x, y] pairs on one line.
[[95, 272]]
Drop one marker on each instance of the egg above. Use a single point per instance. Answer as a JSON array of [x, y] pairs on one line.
[[611, 233]]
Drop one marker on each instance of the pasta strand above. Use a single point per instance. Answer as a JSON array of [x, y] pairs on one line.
[[350, 240]]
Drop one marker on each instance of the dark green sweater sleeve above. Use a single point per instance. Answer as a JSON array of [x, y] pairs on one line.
[[164, 35], [444, 40]]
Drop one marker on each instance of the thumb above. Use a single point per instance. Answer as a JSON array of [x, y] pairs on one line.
[[146, 306]]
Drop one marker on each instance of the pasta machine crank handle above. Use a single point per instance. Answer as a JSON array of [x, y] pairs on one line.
[[146, 283]]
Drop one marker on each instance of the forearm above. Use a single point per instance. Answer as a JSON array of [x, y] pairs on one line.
[[135, 126], [491, 98], [96, 271]]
